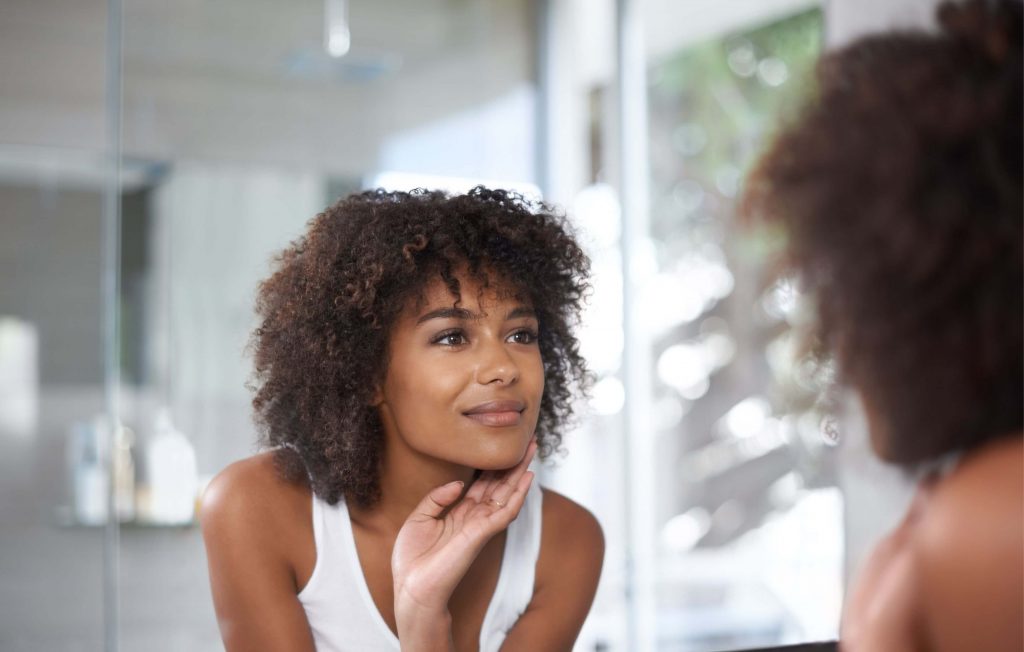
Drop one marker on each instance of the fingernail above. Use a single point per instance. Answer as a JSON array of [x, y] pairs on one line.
[[458, 482]]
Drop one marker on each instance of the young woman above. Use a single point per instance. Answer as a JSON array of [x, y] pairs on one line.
[[900, 192], [415, 350]]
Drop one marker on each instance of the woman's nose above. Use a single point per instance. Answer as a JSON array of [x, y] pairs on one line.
[[496, 365]]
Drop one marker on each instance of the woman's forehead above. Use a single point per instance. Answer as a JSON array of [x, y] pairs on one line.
[[474, 293]]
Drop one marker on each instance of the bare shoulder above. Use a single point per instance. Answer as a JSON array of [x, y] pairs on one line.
[[260, 551], [968, 546], [255, 487], [570, 535], [981, 503], [563, 516], [251, 500], [996, 467]]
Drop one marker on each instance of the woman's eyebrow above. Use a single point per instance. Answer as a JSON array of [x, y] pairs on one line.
[[462, 313], [521, 311], [445, 313]]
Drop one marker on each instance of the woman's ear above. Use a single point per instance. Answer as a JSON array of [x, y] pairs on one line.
[[377, 397]]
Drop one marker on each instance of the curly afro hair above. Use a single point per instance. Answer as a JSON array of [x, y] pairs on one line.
[[899, 191], [326, 313]]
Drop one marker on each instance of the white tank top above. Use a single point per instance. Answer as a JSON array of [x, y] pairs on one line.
[[341, 612]]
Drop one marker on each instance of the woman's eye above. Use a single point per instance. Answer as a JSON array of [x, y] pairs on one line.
[[524, 337], [454, 338]]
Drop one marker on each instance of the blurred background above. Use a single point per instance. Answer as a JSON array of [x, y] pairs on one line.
[[154, 156]]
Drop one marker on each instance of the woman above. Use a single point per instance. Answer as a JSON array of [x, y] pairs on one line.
[[414, 351], [900, 192]]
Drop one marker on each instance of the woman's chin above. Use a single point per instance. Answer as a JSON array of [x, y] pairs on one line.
[[496, 458]]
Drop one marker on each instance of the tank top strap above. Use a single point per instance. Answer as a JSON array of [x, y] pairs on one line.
[[514, 591], [339, 608]]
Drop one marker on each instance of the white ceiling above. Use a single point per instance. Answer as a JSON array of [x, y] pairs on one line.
[[248, 80]]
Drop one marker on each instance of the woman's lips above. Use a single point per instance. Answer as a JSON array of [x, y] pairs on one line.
[[497, 413], [497, 418]]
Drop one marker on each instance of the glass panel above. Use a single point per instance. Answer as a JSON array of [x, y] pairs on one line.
[[53, 489], [749, 545], [243, 123]]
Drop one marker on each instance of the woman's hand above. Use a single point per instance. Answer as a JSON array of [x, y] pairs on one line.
[[438, 543]]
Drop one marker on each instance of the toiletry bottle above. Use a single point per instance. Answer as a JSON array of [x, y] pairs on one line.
[[124, 474], [88, 474], [172, 473]]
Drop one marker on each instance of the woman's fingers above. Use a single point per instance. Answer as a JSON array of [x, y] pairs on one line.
[[439, 498], [506, 483], [503, 505], [479, 486], [488, 481], [482, 520], [508, 499]]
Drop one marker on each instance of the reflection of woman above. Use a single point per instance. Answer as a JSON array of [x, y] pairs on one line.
[[900, 191], [414, 351]]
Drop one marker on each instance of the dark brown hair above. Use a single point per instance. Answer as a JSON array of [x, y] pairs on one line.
[[899, 191], [326, 313]]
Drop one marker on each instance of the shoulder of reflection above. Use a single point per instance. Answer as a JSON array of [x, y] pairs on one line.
[[250, 499], [981, 495], [968, 547]]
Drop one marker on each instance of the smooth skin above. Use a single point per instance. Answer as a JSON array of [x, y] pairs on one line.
[[460, 399], [950, 578]]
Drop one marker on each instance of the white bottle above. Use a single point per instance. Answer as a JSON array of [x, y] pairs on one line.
[[90, 482], [124, 474], [172, 473]]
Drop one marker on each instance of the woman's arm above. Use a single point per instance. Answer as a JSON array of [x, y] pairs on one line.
[[253, 530], [569, 567]]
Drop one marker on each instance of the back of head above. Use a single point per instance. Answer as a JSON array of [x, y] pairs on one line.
[[899, 189]]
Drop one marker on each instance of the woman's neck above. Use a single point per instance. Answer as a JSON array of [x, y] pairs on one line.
[[406, 477]]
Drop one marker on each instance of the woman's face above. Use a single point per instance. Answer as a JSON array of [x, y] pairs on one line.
[[464, 383]]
